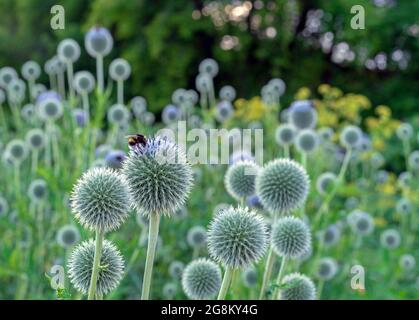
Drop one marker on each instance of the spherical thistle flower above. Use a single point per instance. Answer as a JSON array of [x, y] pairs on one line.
[[361, 222], [148, 118], [100, 199], [237, 237], [407, 262], [31, 70], [296, 286], [68, 236], [50, 109], [413, 160], [254, 202], [138, 106], [390, 239], [404, 206], [119, 69], [17, 151], [27, 112], [115, 158], [404, 131], [83, 82], [209, 66], [201, 279], [240, 179], [203, 82], [331, 235], [224, 111], [364, 144], [110, 272], [282, 186], [16, 91], [404, 180], [197, 236], [80, 117], [38, 89], [377, 160], [68, 50], [325, 182], [50, 94], [4, 206], [98, 42], [381, 176], [306, 141], [277, 85], [118, 114], [285, 134], [159, 176], [302, 114], [250, 277], [169, 290], [290, 237], [176, 269], [325, 133], [170, 114], [7, 74], [179, 96], [227, 93], [350, 136], [327, 268], [35, 139], [240, 155], [192, 97], [38, 190]]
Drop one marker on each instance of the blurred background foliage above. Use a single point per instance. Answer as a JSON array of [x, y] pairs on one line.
[[304, 42]]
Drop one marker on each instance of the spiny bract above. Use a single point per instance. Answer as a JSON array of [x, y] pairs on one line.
[[240, 179], [158, 175], [237, 237], [201, 279], [282, 186], [110, 271], [100, 199], [296, 286]]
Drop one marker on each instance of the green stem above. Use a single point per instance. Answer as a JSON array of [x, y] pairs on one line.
[[99, 72], [120, 91], [228, 275], [279, 278], [268, 272], [96, 261], [151, 250]]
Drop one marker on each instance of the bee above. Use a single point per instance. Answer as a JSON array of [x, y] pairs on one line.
[[136, 139]]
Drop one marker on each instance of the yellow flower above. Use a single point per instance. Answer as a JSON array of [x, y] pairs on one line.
[[380, 222], [383, 111], [302, 93], [250, 110], [323, 88]]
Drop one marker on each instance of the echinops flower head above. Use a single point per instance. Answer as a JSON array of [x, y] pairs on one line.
[[390, 239], [209, 66], [407, 262], [302, 114], [118, 114], [17, 151], [227, 93], [138, 106], [290, 237], [115, 158], [285, 134], [325, 183], [296, 286], [100, 199], [404, 206], [250, 277], [98, 42], [176, 269], [282, 186], [361, 222], [119, 69], [240, 179], [327, 268], [31, 70], [38, 190], [169, 290], [197, 236], [83, 82], [404, 131], [159, 176], [68, 236], [224, 111], [110, 272], [350, 136], [50, 109], [237, 237], [68, 50], [170, 114], [413, 160], [201, 279], [7, 74], [306, 141]]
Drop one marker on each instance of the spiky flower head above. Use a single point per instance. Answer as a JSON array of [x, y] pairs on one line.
[[201, 279], [285, 134], [115, 158], [414, 160], [83, 82], [404, 179], [237, 237], [118, 114], [290, 237], [31, 70], [119, 69], [159, 176], [176, 269], [209, 66], [282, 186], [7, 74], [404, 131], [240, 178], [68, 236], [325, 133], [227, 93], [296, 286], [250, 277], [404, 206], [325, 182], [306, 141], [224, 111], [361, 222], [407, 262], [16, 91], [390, 239], [350, 136], [302, 114], [327, 268], [138, 106], [197, 236], [169, 290], [17, 151], [100, 199], [98, 42], [81, 263], [50, 109], [68, 50], [170, 114], [331, 235], [38, 190], [377, 160], [277, 86]]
